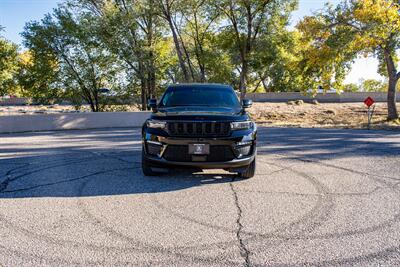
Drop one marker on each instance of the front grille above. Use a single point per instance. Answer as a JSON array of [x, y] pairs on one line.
[[180, 153], [199, 129]]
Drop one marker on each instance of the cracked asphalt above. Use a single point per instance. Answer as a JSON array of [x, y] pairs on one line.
[[319, 198]]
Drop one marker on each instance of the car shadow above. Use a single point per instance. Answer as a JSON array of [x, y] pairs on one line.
[[118, 173]]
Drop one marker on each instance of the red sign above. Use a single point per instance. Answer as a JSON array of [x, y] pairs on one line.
[[369, 101]]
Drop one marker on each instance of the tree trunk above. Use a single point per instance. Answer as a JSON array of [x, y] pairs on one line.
[[391, 99], [143, 85], [143, 93], [96, 100], [91, 103], [393, 78], [198, 45], [92, 107], [151, 72], [152, 77], [202, 73], [189, 62], [243, 79], [177, 45]]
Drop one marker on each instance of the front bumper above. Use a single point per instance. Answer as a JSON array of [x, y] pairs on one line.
[[236, 163], [234, 160]]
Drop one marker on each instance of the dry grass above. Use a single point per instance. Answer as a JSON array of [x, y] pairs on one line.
[[347, 115]]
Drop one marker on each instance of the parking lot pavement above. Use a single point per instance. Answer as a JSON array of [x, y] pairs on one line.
[[320, 197]]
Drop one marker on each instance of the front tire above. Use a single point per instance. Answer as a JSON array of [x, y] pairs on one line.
[[146, 166], [250, 170]]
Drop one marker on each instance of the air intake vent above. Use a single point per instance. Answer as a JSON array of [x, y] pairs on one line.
[[180, 153]]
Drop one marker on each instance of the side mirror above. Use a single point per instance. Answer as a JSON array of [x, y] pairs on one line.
[[152, 104], [247, 103]]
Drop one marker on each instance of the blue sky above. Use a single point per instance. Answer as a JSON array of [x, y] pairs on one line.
[[15, 13]]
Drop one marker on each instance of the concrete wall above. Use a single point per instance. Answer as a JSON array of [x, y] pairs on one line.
[[15, 101], [51, 122], [323, 98], [268, 97]]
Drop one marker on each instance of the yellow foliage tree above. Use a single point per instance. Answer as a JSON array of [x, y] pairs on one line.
[[369, 27]]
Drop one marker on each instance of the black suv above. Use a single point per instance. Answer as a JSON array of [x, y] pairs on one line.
[[202, 126]]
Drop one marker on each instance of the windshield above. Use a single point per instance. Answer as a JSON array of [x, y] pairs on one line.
[[215, 96]]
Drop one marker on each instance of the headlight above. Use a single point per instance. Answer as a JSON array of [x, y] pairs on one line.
[[242, 125], [156, 124]]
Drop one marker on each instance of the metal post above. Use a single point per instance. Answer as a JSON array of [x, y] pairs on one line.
[[370, 113]]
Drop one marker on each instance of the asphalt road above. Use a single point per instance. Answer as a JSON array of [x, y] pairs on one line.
[[320, 198]]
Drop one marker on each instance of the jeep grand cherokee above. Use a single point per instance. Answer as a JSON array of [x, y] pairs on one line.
[[202, 126]]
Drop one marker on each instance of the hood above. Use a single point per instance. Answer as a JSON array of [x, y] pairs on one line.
[[198, 111]]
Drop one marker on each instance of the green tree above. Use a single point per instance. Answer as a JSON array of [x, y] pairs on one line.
[[198, 32], [351, 88], [247, 20], [38, 77], [84, 64], [371, 85], [131, 30], [276, 56], [8, 66], [170, 12]]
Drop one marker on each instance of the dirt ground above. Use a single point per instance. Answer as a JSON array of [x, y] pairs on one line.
[[335, 115], [54, 109]]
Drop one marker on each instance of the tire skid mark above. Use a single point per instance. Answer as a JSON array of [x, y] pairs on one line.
[[63, 164], [4, 185], [373, 191], [351, 261], [273, 237], [146, 245], [65, 181], [385, 224], [317, 209], [304, 158], [63, 262], [384, 254], [136, 246], [47, 260], [368, 175], [325, 200], [113, 157], [66, 152]]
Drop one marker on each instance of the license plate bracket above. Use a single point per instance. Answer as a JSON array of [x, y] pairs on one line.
[[199, 149]]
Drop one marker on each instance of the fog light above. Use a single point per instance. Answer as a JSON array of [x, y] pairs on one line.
[[242, 150], [154, 148]]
